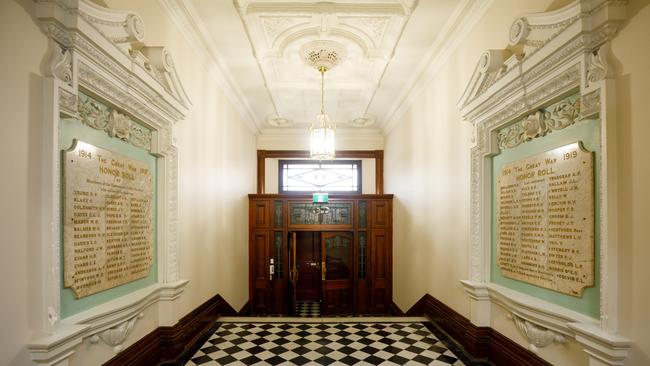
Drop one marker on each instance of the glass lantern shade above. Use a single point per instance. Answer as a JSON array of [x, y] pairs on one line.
[[321, 138]]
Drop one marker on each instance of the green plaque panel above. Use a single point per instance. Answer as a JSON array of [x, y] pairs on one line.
[[69, 130], [587, 132]]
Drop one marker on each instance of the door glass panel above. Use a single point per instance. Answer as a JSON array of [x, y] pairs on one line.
[[278, 214], [362, 215], [362, 255], [338, 253], [278, 254]]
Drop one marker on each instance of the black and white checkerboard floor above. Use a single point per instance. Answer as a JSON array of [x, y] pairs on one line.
[[383, 343], [308, 309]]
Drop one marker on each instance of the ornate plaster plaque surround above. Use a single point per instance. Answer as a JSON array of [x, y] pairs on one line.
[[550, 56], [101, 52], [366, 34]]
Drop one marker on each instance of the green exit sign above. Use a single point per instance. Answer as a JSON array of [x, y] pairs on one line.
[[320, 197]]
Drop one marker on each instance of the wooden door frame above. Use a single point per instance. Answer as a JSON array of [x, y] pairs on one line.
[[378, 155]]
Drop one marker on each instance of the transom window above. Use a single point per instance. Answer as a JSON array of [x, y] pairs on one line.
[[302, 176]]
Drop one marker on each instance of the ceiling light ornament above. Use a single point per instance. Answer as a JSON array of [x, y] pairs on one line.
[[277, 121], [364, 121], [322, 55]]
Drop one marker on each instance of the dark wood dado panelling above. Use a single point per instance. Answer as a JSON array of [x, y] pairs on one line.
[[168, 345], [480, 342], [381, 214], [260, 213]]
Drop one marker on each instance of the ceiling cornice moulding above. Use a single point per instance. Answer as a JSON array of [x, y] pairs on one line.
[[462, 21], [191, 26]]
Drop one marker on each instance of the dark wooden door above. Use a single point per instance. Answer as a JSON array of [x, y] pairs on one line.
[[337, 271], [309, 267]]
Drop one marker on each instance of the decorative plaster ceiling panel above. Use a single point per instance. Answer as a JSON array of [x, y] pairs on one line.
[[388, 44], [369, 31]]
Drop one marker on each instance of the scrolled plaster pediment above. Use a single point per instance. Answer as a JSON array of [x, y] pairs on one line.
[[538, 43]]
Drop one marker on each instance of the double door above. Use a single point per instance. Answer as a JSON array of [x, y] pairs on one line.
[[321, 269], [348, 265]]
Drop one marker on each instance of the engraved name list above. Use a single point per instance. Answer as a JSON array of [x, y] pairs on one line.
[[545, 219], [108, 237]]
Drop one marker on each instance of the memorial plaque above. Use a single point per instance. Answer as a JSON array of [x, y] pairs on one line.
[[545, 219], [108, 232]]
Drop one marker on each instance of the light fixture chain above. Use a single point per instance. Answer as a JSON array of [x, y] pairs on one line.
[[322, 89]]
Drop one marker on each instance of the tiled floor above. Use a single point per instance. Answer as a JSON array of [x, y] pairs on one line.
[[324, 343], [309, 309]]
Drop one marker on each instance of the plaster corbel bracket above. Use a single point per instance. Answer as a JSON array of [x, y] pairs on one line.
[[62, 69], [537, 335], [116, 335]]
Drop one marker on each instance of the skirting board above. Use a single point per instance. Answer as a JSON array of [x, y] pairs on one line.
[[166, 345], [245, 310], [395, 310], [480, 342]]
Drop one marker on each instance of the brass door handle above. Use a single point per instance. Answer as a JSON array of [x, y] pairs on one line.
[[323, 270], [293, 276]]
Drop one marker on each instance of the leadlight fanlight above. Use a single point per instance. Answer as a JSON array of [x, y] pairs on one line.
[[306, 176]]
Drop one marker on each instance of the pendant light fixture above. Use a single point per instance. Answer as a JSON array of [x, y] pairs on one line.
[[322, 131], [322, 55]]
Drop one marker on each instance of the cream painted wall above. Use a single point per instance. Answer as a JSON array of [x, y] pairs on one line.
[[427, 156], [216, 171], [20, 126], [632, 66], [217, 165]]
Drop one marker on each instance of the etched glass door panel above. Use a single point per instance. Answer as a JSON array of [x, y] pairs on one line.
[[337, 253]]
